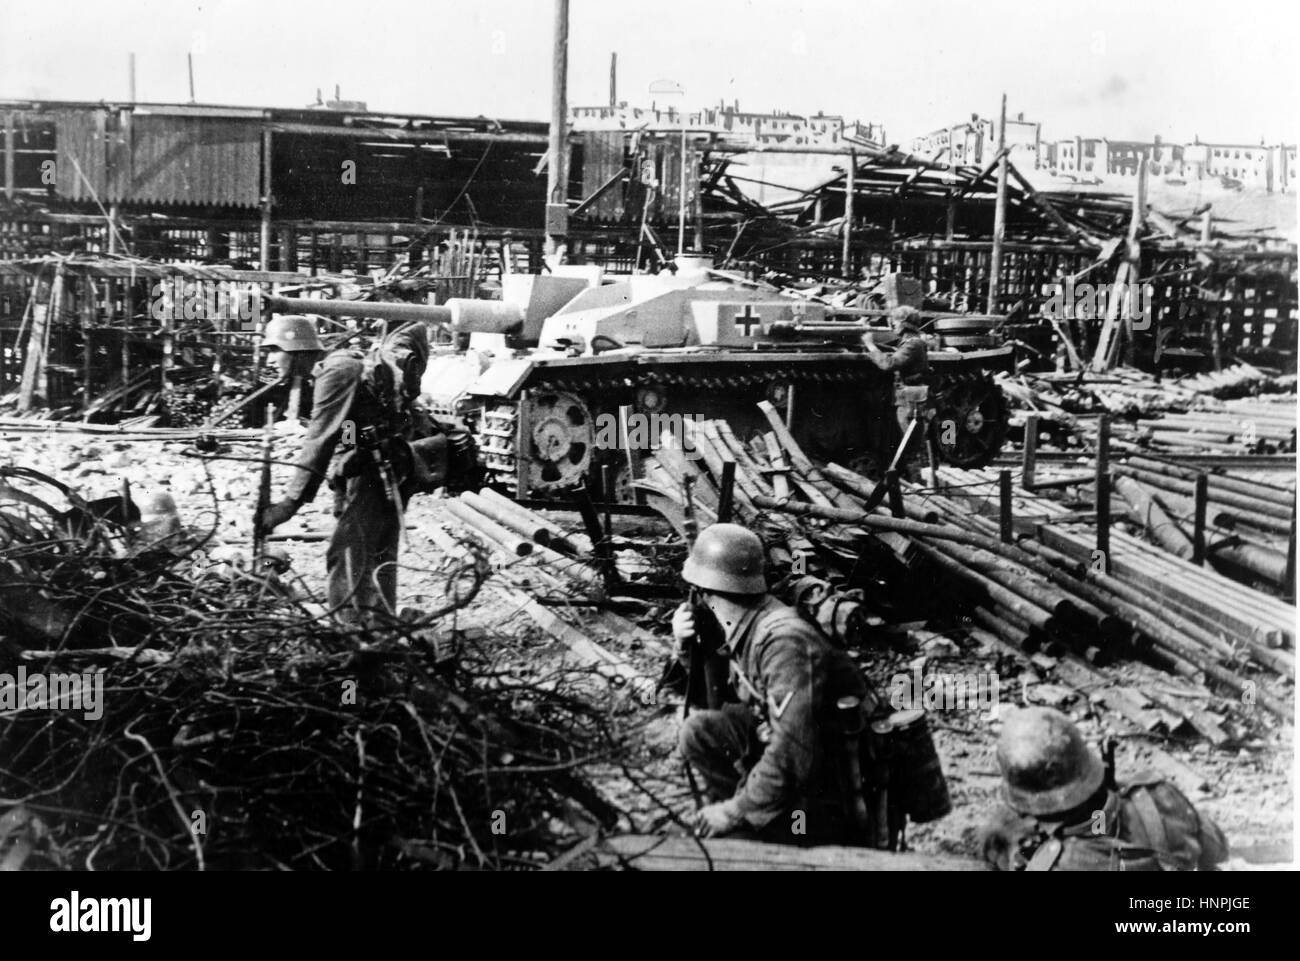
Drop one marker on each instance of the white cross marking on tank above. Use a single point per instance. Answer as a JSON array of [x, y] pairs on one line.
[[748, 320]]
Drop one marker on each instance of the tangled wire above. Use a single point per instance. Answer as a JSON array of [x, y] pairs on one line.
[[237, 727]]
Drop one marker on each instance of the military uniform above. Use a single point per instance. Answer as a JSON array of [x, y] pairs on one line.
[[774, 752], [910, 364], [1059, 816], [361, 561], [1147, 825]]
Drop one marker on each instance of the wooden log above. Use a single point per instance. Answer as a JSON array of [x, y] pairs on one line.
[[1239, 502], [679, 853], [537, 533], [507, 539], [1037, 617], [1154, 520], [1250, 488], [555, 534]]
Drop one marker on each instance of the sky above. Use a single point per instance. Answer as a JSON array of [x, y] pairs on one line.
[[1124, 69]]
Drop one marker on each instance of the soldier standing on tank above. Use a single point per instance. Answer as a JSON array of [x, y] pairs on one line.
[[1063, 812], [373, 459], [909, 363], [768, 763]]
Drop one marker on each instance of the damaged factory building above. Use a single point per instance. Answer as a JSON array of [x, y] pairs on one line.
[[641, 490]]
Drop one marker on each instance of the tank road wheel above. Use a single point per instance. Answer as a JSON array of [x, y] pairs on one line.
[[561, 436], [970, 422]]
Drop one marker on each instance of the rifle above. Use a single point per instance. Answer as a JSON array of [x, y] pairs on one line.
[[263, 488], [368, 440]]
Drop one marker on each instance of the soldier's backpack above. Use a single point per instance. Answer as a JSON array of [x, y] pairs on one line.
[[1147, 825]]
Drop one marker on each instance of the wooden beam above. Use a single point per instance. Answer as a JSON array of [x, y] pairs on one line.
[[999, 215], [678, 853]]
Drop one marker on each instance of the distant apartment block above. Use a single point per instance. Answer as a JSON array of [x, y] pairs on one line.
[[1248, 166], [975, 142], [776, 127]]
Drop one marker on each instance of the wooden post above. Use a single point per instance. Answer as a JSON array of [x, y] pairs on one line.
[[557, 165], [265, 235], [999, 215], [87, 349], [681, 195], [128, 306], [168, 340], [1004, 505], [189, 58], [697, 201], [9, 155], [895, 494], [130, 70], [1202, 497], [33, 387], [1134, 256], [288, 249], [1103, 489], [1030, 452], [726, 491], [850, 193], [1207, 228], [112, 228]]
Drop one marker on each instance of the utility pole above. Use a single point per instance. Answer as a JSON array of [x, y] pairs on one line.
[[999, 214], [557, 165], [846, 230], [189, 57], [130, 73], [613, 79]]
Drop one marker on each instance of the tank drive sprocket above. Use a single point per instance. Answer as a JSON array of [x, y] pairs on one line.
[[970, 421]]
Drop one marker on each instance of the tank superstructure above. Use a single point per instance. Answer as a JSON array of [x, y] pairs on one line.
[[568, 371]]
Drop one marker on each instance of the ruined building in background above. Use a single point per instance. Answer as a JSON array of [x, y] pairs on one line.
[[1259, 166], [732, 123]]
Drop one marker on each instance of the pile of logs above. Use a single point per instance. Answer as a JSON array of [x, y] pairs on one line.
[[1043, 591]]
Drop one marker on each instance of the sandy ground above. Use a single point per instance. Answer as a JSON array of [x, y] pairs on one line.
[[1249, 790]]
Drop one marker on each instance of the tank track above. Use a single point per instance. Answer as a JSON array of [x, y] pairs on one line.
[[498, 428]]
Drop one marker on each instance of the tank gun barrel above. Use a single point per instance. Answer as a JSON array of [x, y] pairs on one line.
[[460, 314], [371, 310]]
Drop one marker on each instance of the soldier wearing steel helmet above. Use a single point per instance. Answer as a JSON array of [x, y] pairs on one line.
[[909, 362], [1063, 812], [362, 395], [770, 756]]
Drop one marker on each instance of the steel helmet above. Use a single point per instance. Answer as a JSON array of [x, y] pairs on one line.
[[727, 558], [1046, 766], [158, 518], [908, 318], [292, 332]]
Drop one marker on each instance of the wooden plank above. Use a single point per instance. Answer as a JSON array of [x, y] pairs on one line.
[[679, 853]]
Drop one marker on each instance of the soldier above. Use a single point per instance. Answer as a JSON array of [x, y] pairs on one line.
[[361, 408], [910, 365], [771, 758], [1063, 812]]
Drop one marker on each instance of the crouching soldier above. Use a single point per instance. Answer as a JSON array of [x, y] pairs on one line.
[[768, 763], [1064, 813], [359, 437]]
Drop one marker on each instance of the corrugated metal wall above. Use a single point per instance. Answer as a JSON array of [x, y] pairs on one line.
[[158, 159]]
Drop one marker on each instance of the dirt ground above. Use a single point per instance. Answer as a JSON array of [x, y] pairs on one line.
[[1248, 790]]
